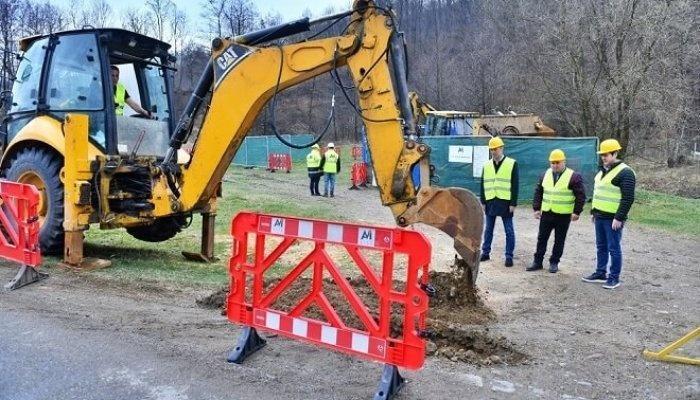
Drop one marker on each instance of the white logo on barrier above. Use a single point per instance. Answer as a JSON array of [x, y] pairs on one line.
[[365, 236], [277, 226], [380, 349]]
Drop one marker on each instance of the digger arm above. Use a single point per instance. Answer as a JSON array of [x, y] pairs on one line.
[[419, 107], [245, 78]]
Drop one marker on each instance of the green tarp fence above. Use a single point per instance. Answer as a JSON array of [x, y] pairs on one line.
[[255, 149], [459, 159]]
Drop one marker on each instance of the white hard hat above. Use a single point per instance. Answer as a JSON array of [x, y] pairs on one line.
[[331, 145]]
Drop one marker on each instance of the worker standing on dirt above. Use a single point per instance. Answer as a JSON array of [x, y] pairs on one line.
[[613, 195], [331, 167], [122, 98], [499, 197], [559, 199], [313, 166]]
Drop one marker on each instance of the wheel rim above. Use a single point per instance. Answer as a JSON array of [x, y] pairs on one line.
[[32, 178]]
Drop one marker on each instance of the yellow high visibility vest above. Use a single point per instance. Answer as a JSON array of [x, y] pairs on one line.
[[497, 184], [119, 99], [558, 198], [331, 164], [313, 159], [606, 196]]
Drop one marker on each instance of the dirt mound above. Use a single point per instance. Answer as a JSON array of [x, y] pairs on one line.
[[214, 300], [455, 318], [475, 346]]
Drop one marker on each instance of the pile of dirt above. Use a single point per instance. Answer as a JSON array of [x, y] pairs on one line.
[[455, 321]]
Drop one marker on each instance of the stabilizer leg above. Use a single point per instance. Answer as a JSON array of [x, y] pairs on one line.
[[206, 254]]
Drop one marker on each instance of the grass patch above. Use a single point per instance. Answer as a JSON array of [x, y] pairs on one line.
[[668, 212], [658, 210], [162, 262]]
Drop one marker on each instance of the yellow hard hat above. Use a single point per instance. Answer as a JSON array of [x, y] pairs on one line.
[[557, 155], [609, 145], [316, 146], [495, 142]]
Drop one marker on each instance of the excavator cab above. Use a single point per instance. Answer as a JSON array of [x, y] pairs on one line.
[[69, 72]]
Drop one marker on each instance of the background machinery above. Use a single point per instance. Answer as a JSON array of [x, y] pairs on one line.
[[434, 122], [95, 167]]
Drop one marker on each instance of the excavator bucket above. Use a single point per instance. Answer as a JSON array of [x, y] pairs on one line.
[[458, 213]]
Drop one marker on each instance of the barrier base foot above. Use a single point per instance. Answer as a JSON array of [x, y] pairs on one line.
[[390, 384], [353, 187], [25, 276], [248, 343]]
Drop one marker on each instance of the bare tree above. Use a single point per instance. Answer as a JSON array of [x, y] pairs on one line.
[[160, 11], [136, 20], [240, 16]]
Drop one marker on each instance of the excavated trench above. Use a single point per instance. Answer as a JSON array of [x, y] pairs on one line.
[[457, 320]]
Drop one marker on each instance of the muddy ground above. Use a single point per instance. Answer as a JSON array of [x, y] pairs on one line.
[[578, 340]]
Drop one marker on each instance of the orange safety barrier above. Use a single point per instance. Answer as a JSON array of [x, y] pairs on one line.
[[279, 162], [358, 175], [19, 231], [257, 305]]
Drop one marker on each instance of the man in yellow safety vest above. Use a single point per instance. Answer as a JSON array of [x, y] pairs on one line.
[[122, 98], [313, 166], [330, 164], [499, 197], [559, 199], [613, 195]]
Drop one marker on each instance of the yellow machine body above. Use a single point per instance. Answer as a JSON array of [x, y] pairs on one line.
[[245, 78]]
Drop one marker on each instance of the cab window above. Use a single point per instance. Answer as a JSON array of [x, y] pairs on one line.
[[75, 82], [75, 77], [25, 91], [157, 94]]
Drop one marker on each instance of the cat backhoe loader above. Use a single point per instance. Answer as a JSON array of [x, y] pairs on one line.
[[92, 166]]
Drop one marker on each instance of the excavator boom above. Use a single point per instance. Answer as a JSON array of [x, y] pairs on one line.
[[242, 78]]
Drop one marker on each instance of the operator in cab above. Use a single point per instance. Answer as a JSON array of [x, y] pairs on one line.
[[122, 98]]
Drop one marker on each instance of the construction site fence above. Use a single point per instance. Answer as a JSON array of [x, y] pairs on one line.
[[256, 150], [459, 160]]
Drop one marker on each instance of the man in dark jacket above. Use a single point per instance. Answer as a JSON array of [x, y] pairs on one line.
[[313, 167], [613, 195], [499, 197], [559, 199]]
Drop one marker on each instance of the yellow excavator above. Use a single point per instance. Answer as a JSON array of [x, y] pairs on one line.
[[65, 134]]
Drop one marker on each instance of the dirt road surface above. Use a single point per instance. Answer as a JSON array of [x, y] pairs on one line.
[[76, 336]]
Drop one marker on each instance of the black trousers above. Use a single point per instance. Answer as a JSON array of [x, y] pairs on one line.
[[314, 178], [548, 222]]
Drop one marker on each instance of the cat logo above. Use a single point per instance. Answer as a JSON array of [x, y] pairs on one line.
[[227, 58]]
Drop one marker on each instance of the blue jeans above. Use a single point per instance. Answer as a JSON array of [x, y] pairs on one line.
[[488, 235], [328, 182], [607, 242]]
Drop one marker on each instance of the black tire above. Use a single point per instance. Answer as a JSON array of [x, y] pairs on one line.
[[47, 166], [160, 230]]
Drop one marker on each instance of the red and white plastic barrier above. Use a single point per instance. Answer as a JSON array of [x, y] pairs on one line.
[[260, 241], [279, 162], [19, 231]]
